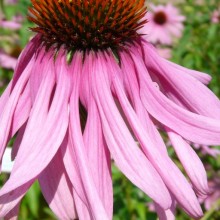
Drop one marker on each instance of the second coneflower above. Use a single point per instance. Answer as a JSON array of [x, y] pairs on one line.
[[88, 86], [165, 23]]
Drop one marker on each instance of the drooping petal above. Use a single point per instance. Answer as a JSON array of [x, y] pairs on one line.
[[4, 97], [9, 201], [170, 174], [21, 113], [25, 57], [78, 148], [22, 110], [202, 130], [13, 214], [191, 163], [81, 202], [130, 160], [37, 74], [168, 214], [99, 157], [82, 210], [57, 189], [202, 77], [189, 89], [9, 109], [41, 150], [18, 140], [132, 87], [97, 152], [149, 48]]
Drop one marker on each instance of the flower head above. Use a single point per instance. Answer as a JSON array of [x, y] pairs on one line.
[[165, 22], [214, 195], [7, 61], [10, 24], [88, 86], [216, 16], [83, 25]]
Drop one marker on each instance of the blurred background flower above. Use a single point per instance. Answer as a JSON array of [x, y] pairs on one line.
[[216, 16], [165, 22]]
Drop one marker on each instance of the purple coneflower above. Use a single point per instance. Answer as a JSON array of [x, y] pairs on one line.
[[216, 16], [165, 22], [13, 25], [88, 86], [7, 61], [213, 199]]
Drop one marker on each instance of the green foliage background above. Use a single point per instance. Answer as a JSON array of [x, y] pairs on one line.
[[199, 49]]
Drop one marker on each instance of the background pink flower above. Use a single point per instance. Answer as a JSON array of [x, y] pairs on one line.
[[216, 16], [214, 185], [164, 23], [7, 61]]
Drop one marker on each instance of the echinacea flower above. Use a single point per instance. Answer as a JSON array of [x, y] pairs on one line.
[[7, 61], [12, 25], [11, 2], [216, 16], [214, 195], [164, 23], [214, 152], [86, 89]]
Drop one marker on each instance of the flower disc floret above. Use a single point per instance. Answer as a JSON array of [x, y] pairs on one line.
[[90, 24]]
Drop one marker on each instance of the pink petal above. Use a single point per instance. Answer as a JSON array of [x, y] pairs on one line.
[[81, 202], [170, 174], [96, 149], [202, 77], [25, 57], [7, 114], [52, 132], [22, 110], [168, 214], [190, 90], [4, 97], [10, 200], [99, 156], [78, 148], [18, 140], [132, 87], [38, 74], [191, 163], [7, 61], [202, 130], [10, 25], [21, 113], [82, 209], [13, 214], [57, 189], [129, 159]]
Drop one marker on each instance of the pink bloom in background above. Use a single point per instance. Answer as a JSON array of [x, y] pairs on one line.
[[207, 150], [83, 93], [216, 16], [7, 61], [13, 25], [11, 2], [164, 23], [214, 195]]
